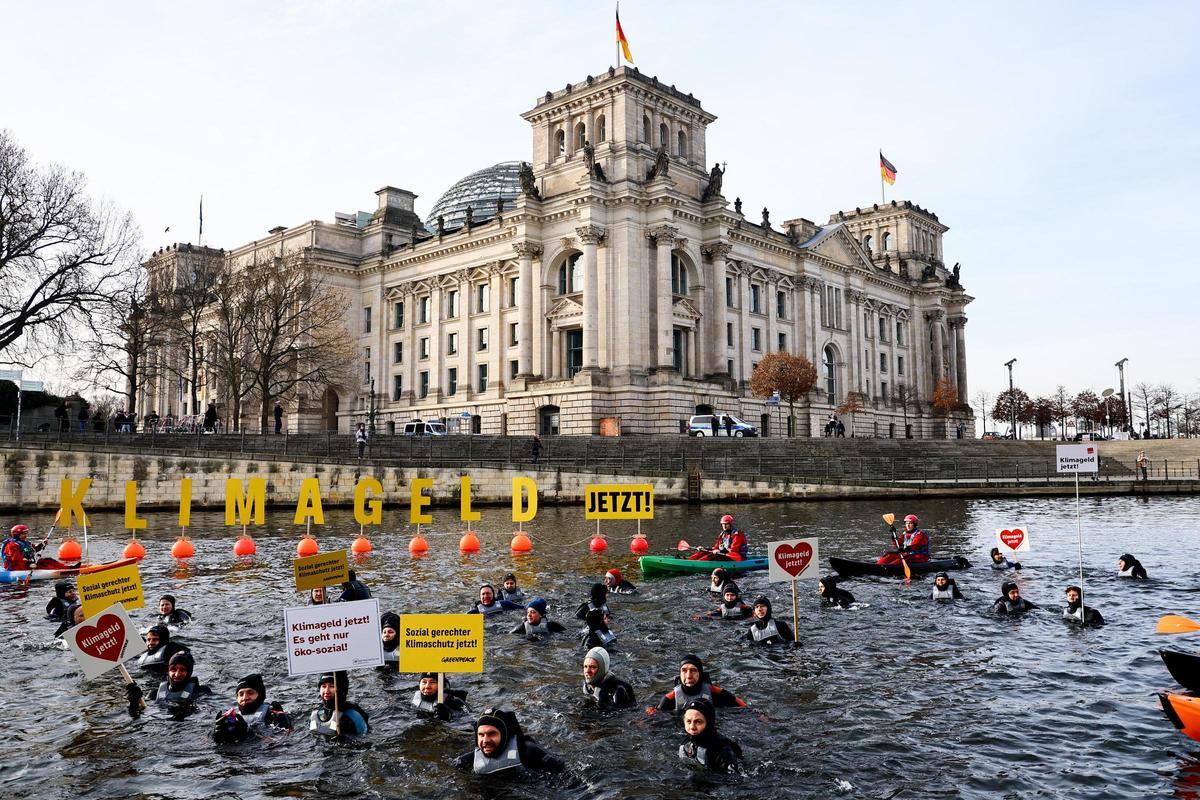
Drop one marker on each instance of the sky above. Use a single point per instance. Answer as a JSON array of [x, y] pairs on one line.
[[1057, 140]]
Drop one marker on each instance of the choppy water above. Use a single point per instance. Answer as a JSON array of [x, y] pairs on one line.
[[900, 698]]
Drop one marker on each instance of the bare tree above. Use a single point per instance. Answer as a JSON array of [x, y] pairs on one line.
[[230, 359], [983, 401], [790, 375], [1167, 402], [1144, 393], [61, 255], [1060, 409], [184, 307], [296, 327]]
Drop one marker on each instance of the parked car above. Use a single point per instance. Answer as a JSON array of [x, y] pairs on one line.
[[1090, 437], [419, 428], [990, 435], [701, 425]]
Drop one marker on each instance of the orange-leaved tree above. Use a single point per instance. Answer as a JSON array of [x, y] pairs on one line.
[[854, 402], [792, 376], [945, 397]]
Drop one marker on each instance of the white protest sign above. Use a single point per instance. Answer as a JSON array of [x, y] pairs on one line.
[[1078, 458], [104, 641], [1014, 537], [792, 559], [333, 636]]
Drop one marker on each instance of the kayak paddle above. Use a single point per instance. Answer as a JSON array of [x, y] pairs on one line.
[[890, 520], [1174, 623], [683, 545]]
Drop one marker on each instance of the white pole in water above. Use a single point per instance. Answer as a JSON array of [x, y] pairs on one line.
[[1079, 535]]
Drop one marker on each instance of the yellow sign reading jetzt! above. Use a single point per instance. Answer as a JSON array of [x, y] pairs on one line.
[[619, 501], [326, 569], [99, 590], [441, 643]]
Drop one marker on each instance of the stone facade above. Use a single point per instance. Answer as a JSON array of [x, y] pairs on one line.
[[619, 284]]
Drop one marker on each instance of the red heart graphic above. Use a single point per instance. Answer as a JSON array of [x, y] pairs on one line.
[[103, 640], [793, 560], [1012, 538]]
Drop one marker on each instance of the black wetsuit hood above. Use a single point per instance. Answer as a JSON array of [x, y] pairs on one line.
[[253, 681], [390, 620]]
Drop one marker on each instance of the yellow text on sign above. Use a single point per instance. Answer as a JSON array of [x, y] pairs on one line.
[[99, 590], [619, 501], [324, 569], [441, 643]]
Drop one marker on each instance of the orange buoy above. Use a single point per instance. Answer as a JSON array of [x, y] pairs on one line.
[[182, 548], [70, 550], [418, 546], [469, 543], [244, 546], [307, 546], [598, 544], [361, 546], [638, 545], [132, 550], [521, 542]]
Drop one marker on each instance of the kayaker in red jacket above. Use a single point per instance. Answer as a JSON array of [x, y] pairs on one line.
[[731, 544], [913, 544], [19, 554]]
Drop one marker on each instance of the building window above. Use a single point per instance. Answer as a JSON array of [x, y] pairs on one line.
[[451, 344], [424, 352], [514, 369], [560, 142], [452, 304], [831, 307], [423, 317], [729, 293], [601, 129], [366, 319], [483, 377], [883, 326], [424, 385], [677, 349], [867, 358], [866, 326], [481, 339], [682, 152], [662, 136], [397, 386], [883, 359], [899, 365], [397, 352], [830, 366], [729, 334], [755, 299], [366, 365], [867, 242], [512, 334], [679, 277], [483, 297], [646, 130], [512, 292], [756, 339], [729, 366], [398, 315], [883, 391], [574, 350], [452, 380], [580, 136], [781, 305], [899, 332], [783, 343], [570, 275], [887, 241]]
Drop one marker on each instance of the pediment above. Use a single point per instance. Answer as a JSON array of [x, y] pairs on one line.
[[842, 248], [565, 308], [686, 309]]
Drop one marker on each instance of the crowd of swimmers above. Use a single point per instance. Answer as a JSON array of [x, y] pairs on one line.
[[501, 746]]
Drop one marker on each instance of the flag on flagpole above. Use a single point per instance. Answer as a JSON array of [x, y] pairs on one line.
[[887, 169], [621, 40]]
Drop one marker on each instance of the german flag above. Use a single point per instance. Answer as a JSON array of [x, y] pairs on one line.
[[621, 40], [887, 169]]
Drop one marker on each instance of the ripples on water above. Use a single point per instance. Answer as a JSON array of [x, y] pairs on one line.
[[897, 698]]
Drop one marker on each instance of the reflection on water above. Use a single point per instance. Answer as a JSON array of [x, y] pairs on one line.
[[898, 697]]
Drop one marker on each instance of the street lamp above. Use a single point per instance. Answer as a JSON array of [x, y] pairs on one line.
[[1120, 365], [1012, 400], [1107, 395], [371, 412]]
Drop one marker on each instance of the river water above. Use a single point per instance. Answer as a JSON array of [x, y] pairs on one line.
[[897, 698]]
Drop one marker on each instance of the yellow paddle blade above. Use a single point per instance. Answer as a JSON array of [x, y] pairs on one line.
[[1174, 623], [907, 570], [888, 519], [58, 516]]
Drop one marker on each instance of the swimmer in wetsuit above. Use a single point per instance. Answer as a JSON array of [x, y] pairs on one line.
[[454, 701], [765, 629], [177, 695], [945, 588], [168, 614], [503, 749], [732, 605], [351, 719], [1130, 567], [252, 716], [832, 595], [1000, 563], [694, 682], [1010, 601], [510, 591], [64, 596], [616, 583], [704, 746], [159, 649], [487, 604], [537, 625], [1078, 613], [601, 686]]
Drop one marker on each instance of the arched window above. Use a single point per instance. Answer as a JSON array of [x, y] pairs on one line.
[[682, 153], [679, 277], [580, 136], [646, 130], [830, 366], [560, 142], [570, 275], [601, 129], [887, 241], [662, 135], [867, 242]]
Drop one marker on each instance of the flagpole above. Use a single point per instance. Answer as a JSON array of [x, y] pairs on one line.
[[882, 191], [617, 53]]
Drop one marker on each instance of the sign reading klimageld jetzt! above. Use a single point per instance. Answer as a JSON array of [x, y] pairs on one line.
[[104, 641], [1078, 458], [792, 559], [1014, 537], [99, 590], [441, 643], [618, 501], [333, 636]]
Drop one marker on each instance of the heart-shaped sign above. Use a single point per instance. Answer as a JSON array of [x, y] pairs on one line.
[[793, 560], [103, 640], [1012, 538]]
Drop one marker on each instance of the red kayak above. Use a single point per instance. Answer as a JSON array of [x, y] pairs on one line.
[[1184, 713]]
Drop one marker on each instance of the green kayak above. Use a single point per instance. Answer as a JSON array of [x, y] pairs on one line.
[[674, 565]]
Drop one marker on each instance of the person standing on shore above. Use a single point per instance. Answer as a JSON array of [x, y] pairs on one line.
[[535, 447], [278, 417], [1142, 463]]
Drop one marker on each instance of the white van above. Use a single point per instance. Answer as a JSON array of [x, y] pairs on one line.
[[419, 428], [701, 425]]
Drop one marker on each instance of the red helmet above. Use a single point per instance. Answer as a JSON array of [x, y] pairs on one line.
[[727, 518], [616, 575], [912, 518], [17, 530]]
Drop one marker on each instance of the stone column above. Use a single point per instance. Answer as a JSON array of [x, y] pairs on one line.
[[497, 338], [715, 315], [769, 288], [590, 236], [410, 343], [465, 360], [664, 238], [960, 357], [746, 352], [526, 253], [934, 320], [435, 343], [856, 298]]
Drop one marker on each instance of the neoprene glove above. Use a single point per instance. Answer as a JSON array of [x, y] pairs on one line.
[[134, 694]]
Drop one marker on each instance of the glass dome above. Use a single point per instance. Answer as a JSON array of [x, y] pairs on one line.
[[478, 191]]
